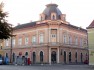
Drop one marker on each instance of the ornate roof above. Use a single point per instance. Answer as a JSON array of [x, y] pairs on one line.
[[51, 8]]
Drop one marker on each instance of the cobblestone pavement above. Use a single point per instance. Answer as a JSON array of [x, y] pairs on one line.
[[47, 67]]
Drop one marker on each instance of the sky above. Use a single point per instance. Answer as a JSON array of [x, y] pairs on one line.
[[78, 12]]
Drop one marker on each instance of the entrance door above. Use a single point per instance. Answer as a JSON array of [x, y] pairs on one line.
[[53, 57], [34, 57], [64, 57]]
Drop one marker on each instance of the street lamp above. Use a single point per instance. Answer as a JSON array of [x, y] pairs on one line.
[[11, 45]]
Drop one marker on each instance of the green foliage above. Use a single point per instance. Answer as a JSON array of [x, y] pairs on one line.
[[5, 28]]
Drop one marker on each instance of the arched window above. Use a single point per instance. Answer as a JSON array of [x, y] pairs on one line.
[[13, 57], [76, 56], [26, 54], [53, 17], [69, 56], [6, 54], [41, 56], [81, 57], [64, 57], [34, 57]]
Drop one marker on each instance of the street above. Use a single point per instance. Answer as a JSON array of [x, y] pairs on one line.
[[47, 67]]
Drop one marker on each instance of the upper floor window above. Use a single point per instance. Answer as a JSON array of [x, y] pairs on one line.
[[7, 42], [26, 40], [20, 41], [13, 42], [85, 42], [76, 41], [81, 42], [53, 35], [42, 17], [70, 40], [65, 39], [53, 16], [41, 38], [33, 39]]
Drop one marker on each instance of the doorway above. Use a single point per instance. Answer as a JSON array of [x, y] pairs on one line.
[[53, 57]]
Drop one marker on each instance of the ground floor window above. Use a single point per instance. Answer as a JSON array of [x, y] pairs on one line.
[[13, 57], [69, 56], [76, 57], [64, 57], [41, 56], [81, 57], [34, 57]]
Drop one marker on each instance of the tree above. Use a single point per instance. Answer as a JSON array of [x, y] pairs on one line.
[[5, 28]]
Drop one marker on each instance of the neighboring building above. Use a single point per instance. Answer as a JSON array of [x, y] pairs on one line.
[[1, 50], [90, 30], [50, 40]]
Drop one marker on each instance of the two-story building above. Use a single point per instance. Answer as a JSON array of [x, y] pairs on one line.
[[50, 40], [90, 30]]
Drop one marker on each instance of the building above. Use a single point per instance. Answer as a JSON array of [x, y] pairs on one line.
[[50, 40], [90, 30], [1, 50]]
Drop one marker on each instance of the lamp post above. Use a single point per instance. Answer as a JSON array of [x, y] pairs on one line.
[[11, 51], [11, 47]]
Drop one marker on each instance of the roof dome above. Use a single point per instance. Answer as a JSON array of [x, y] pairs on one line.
[[52, 8]]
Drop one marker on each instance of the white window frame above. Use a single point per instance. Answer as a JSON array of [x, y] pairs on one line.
[[41, 38], [64, 39], [76, 41], [7, 42], [81, 42], [34, 39], [13, 42], [20, 41], [70, 40], [26, 40]]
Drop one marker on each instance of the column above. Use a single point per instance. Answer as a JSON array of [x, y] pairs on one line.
[[49, 55], [57, 34], [46, 36], [60, 38], [37, 36], [58, 55], [49, 34]]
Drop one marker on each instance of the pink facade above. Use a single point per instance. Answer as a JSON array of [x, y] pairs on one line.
[[50, 40]]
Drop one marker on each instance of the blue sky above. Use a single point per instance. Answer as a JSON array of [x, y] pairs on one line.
[[78, 12]]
